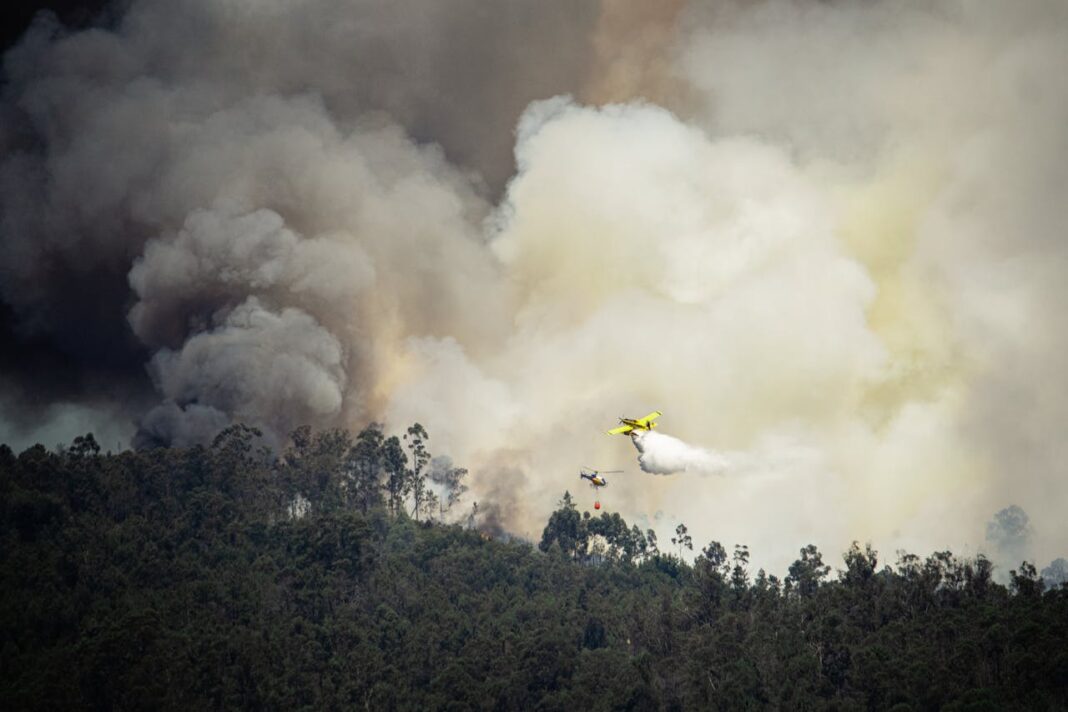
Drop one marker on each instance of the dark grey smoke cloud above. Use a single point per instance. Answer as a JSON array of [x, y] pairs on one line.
[[113, 139]]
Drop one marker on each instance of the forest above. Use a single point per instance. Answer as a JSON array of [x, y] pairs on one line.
[[324, 577]]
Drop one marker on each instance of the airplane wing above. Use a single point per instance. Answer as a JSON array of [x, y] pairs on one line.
[[649, 418], [620, 430]]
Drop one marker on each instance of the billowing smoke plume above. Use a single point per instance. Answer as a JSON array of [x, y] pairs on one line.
[[661, 454], [823, 238], [272, 167]]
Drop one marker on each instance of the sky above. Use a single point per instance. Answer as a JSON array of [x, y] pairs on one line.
[[822, 237]]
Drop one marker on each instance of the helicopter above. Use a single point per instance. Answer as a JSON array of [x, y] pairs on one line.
[[597, 480], [594, 476]]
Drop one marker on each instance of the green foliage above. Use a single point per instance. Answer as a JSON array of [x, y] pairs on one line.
[[228, 577], [415, 439], [682, 538]]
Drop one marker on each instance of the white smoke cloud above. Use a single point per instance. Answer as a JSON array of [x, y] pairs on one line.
[[704, 273]]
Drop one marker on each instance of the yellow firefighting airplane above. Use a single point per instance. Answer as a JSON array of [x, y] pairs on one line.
[[594, 476], [630, 425]]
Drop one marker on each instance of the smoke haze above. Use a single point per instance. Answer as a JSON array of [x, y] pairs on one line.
[[823, 238]]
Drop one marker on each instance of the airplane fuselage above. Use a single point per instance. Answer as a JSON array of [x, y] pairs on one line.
[[630, 425]]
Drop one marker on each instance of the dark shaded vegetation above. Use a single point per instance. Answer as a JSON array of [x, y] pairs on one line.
[[226, 577]]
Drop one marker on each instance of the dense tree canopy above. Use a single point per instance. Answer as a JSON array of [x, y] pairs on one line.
[[324, 578]]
